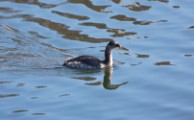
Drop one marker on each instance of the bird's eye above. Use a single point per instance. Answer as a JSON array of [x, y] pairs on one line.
[[110, 44]]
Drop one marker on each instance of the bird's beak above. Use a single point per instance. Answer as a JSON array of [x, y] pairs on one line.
[[118, 46], [123, 48]]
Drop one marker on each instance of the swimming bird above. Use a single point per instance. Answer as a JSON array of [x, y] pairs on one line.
[[92, 62]]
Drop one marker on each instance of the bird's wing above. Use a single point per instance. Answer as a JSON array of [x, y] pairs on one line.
[[89, 60]]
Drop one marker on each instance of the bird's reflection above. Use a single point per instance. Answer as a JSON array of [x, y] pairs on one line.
[[107, 80]]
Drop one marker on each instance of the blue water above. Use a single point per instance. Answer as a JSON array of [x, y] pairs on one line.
[[153, 81]]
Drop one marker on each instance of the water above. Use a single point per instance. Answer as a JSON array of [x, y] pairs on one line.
[[154, 81]]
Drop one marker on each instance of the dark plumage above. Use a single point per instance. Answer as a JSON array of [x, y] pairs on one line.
[[91, 62], [84, 59]]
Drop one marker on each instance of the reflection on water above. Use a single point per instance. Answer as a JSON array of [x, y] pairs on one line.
[[135, 21], [142, 56], [20, 84], [84, 78], [165, 1], [34, 2], [163, 63], [19, 111], [5, 81], [72, 16], [37, 35], [64, 30], [89, 4], [38, 113], [41, 86], [8, 95], [117, 32], [138, 7], [107, 81], [188, 55], [191, 27]]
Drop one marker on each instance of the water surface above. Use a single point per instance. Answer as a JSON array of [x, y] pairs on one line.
[[153, 81]]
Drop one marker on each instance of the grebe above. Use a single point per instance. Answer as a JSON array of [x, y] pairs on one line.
[[91, 62]]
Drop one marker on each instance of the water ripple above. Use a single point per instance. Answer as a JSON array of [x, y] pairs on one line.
[[8, 95], [71, 16], [20, 111], [154, 78], [34, 2], [65, 31], [136, 6], [8, 10], [89, 4]]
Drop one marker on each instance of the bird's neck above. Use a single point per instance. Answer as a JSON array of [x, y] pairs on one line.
[[108, 57]]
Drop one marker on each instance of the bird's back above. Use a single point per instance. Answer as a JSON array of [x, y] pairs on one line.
[[84, 62]]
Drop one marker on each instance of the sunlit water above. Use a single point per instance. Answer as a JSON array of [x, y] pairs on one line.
[[153, 81]]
